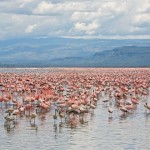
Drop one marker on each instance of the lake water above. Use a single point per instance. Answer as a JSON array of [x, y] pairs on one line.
[[97, 132]]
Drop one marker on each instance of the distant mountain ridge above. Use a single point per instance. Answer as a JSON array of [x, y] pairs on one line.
[[124, 56], [61, 52]]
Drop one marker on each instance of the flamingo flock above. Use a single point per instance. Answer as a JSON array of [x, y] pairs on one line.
[[69, 94]]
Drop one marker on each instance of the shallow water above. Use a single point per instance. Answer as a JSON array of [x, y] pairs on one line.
[[97, 132]]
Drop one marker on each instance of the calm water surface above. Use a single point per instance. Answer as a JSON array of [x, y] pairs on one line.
[[97, 132]]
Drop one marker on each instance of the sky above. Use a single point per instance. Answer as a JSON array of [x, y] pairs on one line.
[[75, 18]]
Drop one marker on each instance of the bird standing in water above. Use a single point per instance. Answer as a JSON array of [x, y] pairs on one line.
[[105, 101], [110, 110], [147, 107], [61, 115], [33, 116], [55, 115]]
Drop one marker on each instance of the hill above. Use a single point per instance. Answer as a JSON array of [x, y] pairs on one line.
[[67, 52]]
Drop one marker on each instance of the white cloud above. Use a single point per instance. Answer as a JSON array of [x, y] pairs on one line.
[[14, 25], [30, 28], [88, 28], [74, 18], [144, 7], [46, 8], [142, 20], [86, 16]]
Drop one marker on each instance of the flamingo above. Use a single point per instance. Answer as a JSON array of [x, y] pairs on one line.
[[82, 88], [123, 109], [134, 100], [147, 107], [9, 118], [55, 115], [105, 101], [16, 112], [28, 107], [129, 107], [110, 111], [61, 115], [33, 116], [1, 99]]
